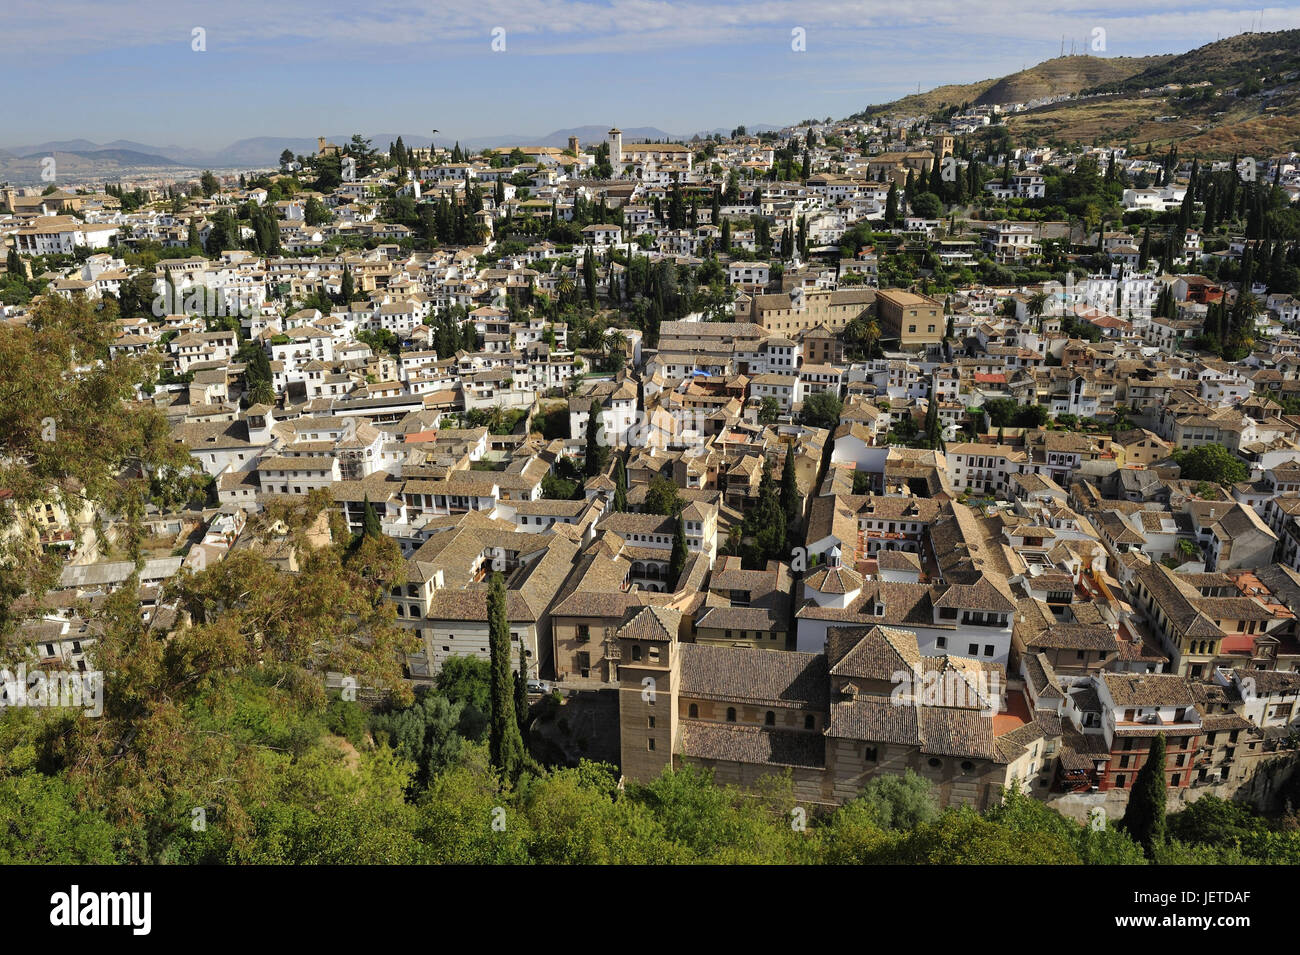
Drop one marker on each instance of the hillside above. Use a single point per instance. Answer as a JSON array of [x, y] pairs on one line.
[[1247, 100], [1064, 74], [1230, 62]]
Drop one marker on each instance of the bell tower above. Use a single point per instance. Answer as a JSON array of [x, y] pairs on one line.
[[646, 645]]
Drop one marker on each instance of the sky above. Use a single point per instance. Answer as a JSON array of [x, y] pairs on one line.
[[106, 71]]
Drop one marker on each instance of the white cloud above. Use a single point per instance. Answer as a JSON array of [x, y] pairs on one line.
[[559, 27]]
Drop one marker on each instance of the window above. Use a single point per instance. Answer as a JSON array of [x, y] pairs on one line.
[[1119, 780], [650, 722], [967, 765], [650, 744], [988, 649], [973, 650], [935, 762], [636, 651], [731, 714], [809, 722], [769, 719], [694, 711]]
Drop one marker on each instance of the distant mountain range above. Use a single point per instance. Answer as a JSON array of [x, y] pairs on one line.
[[82, 158]]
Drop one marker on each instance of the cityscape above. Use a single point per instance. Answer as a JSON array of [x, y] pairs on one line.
[[915, 485]]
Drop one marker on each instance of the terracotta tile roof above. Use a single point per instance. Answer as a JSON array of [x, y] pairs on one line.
[[734, 742], [759, 677]]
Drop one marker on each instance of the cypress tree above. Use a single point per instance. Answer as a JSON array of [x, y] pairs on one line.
[[348, 286], [932, 432], [592, 462], [677, 561], [765, 522], [789, 489], [589, 276], [1144, 819], [891, 205], [521, 696], [620, 486], [505, 745], [370, 526]]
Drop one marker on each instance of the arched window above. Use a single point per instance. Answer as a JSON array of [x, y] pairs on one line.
[[936, 762], [770, 719], [694, 711], [731, 714]]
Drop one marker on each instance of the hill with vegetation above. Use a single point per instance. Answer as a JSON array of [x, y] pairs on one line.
[[1231, 62], [1237, 96], [1064, 74]]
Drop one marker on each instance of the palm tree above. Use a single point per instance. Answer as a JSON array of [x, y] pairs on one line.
[[565, 290], [870, 335], [615, 342], [1249, 307], [1035, 306]]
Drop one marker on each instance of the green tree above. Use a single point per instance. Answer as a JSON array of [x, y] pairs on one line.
[[899, 802], [70, 438], [521, 696], [1144, 819], [428, 733], [620, 486], [347, 286], [596, 454], [505, 744], [822, 410], [370, 526], [662, 497], [790, 499], [1210, 462], [677, 561]]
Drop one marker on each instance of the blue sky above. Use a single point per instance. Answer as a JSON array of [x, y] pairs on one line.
[[104, 71]]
